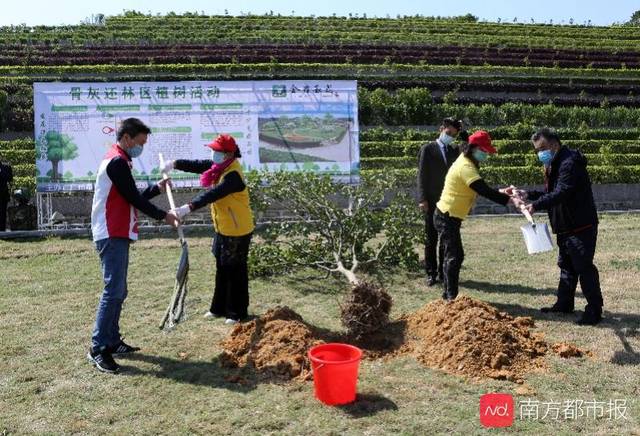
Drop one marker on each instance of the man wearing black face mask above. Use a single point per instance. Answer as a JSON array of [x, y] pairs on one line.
[[434, 160], [114, 225]]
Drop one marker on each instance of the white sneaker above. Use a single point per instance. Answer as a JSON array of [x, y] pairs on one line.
[[230, 321], [209, 314]]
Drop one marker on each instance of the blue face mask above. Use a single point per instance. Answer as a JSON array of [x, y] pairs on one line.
[[446, 139], [545, 156], [134, 151], [479, 155], [218, 157]]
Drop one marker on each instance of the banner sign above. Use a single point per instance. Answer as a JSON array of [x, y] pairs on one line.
[[290, 125]]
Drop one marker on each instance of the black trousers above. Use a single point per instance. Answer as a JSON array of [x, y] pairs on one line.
[[433, 254], [453, 253], [575, 260], [3, 214], [231, 294]]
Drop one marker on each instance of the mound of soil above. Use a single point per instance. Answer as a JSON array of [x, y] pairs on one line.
[[275, 345], [472, 338], [365, 310], [465, 337]]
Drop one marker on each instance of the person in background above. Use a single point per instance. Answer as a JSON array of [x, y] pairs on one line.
[[233, 225], [568, 199], [6, 177], [434, 160], [462, 185], [114, 225]]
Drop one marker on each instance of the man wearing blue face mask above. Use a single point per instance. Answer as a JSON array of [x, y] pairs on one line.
[[435, 159], [568, 198], [114, 225]]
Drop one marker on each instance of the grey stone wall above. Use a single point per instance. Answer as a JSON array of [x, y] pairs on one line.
[[76, 207]]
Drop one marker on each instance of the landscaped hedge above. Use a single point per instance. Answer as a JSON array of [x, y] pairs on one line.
[[278, 29], [371, 149], [501, 161], [516, 132]]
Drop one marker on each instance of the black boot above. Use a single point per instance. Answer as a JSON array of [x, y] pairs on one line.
[[431, 280], [556, 308], [590, 317]]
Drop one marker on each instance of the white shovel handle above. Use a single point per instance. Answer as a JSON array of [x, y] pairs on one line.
[[526, 214], [172, 203]]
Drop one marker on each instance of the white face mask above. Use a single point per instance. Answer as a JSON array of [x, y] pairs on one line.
[[446, 139]]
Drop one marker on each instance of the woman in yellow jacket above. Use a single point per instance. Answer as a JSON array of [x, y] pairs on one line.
[[462, 186], [232, 222]]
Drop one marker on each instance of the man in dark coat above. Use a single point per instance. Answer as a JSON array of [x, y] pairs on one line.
[[568, 198], [434, 161], [6, 177]]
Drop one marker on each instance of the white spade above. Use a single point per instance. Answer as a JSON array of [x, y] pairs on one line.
[[536, 235]]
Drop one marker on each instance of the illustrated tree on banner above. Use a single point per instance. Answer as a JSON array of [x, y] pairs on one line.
[[59, 147]]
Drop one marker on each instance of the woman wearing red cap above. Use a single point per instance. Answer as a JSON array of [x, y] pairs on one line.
[[232, 222], [462, 186]]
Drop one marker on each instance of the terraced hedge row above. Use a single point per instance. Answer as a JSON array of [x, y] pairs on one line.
[[273, 29], [412, 72]]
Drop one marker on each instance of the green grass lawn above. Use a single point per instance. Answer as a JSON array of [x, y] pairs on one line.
[[48, 295]]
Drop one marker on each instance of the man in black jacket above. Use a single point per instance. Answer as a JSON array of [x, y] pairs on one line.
[[6, 177], [572, 213], [434, 161]]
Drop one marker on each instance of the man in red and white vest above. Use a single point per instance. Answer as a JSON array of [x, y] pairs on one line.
[[114, 225]]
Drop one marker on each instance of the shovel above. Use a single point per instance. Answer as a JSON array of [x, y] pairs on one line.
[[175, 311], [536, 236]]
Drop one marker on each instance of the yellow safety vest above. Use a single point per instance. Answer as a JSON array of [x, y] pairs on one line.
[[232, 214]]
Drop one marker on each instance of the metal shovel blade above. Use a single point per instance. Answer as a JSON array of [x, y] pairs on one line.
[[537, 238]]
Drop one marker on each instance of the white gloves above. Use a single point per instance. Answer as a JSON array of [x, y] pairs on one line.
[[182, 211], [168, 166]]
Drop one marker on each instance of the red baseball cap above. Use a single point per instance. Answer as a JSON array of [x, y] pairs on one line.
[[224, 143], [482, 140]]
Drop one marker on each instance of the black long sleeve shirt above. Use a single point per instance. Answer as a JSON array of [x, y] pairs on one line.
[[231, 183], [481, 187], [120, 174]]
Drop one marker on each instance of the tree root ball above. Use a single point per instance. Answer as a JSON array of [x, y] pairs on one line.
[[365, 309]]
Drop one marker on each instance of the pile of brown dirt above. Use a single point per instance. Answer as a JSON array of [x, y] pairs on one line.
[[465, 337], [473, 339], [275, 345], [365, 310]]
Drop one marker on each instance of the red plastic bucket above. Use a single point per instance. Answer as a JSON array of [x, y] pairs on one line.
[[335, 372]]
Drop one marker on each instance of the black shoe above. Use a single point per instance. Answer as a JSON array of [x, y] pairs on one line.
[[589, 319], [123, 348], [103, 361], [431, 280], [556, 309]]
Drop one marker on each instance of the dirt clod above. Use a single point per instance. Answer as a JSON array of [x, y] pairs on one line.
[[565, 350]]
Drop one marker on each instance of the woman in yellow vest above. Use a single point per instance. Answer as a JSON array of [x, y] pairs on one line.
[[232, 222], [462, 186]]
